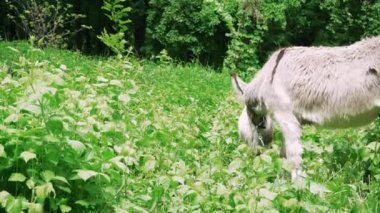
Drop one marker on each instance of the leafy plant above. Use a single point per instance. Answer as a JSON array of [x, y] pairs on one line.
[[187, 30], [163, 58], [242, 55], [44, 23], [368, 17], [116, 42], [118, 14], [54, 156], [80, 134], [249, 23]]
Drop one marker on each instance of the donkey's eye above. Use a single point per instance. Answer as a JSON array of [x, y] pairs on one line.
[[260, 122]]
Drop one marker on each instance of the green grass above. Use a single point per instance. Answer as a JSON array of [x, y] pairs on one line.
[[151, 137]]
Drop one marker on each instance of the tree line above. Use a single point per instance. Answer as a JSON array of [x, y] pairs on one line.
[[238, 35]]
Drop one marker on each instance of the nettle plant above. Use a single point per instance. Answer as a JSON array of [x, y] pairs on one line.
[[60, 149], [44, 23], [249, 23], [117, 13]]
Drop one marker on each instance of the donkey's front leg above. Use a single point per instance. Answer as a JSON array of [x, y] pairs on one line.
[[291, 130]]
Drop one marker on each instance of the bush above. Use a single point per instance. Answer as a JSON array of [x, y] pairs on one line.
[[259, 27], [187, 30], [250, 24], [44, 23]]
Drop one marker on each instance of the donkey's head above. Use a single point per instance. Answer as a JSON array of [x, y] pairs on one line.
[[255, 125]]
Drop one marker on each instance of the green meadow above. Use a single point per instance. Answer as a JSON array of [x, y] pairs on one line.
[[93, 134]]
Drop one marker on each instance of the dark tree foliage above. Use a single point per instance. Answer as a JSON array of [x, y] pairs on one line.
[[236, 34], [138, 26], [186, 29], [7, 28]]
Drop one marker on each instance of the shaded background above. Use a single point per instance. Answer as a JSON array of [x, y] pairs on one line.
[[192, 30]]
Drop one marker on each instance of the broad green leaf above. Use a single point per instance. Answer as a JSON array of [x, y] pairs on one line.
[[32, 108], [4, 195], [35, 208], [102, 79], [64, 208], [127, 66], [78, 146], [264, 204], [149, 165], [30, 183], [12, 118], [316, 188], [373, 146], [221, 190], [86, 174], [64, 188], [329, 148], [48, 175], [17, 177], [313, 147], [124, 98], [83, 203], [54, 78], [60, 178], [55, 126], [117, 161], [27, 155], [135, 87], [14, 205], [157, 192], [2, 151], [105, 177], [179, 179], [40, 64], [287, 165], [116, 83], [299, 183], [267, 194], [44, 190], [13, 49], [234, 165], [271, 210], [63, 67], [266, 158], [309, 207], [290, 203]]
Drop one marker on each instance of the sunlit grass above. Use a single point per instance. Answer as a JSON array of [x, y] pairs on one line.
[[166, 137]]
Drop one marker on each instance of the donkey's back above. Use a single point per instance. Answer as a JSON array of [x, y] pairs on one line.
[[329, 86]]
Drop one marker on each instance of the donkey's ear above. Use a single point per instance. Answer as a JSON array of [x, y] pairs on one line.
[[239, 86]]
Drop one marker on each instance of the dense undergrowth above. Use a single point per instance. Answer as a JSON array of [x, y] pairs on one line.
[[94, 134]]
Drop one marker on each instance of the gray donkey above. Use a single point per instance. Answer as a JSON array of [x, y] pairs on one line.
[[333, 87]]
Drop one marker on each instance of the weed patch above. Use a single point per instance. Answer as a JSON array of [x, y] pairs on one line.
[[93, 134]]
